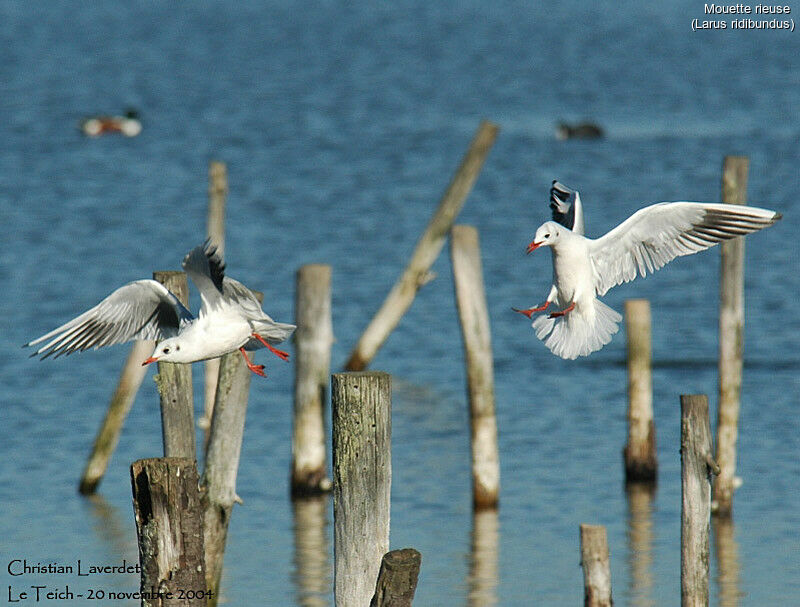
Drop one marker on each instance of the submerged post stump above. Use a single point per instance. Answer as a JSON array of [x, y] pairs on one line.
[[427, 250], [696, 467], [639, 454], [169, 525], [222, 460], [174, 383], [108, 435], [217, 195], [596, 566], [313, 339], [362, 479], [474, 316], [731, 339], [397, 580]]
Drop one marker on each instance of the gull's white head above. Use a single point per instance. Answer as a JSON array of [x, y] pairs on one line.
[[548, 234], [169, 351]]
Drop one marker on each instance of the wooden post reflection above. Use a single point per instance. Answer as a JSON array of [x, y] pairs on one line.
[[640, 543], [312, 564], [727, 553], [483, 563]]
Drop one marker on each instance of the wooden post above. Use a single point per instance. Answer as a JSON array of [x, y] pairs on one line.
[[731, 339], [108, 435], [474, 316], [362, 478], [397, 579], [222, 460], [639, 453], [696, 463], [313, 339], [596, 567], [427, 250], [174, 382], [312, 564], [169, 525], [217, 195]]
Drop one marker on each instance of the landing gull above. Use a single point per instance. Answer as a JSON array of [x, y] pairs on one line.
[[584, 268], [230, 319]]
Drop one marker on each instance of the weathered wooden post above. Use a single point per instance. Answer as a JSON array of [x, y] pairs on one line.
[[596, 566], [313, 339], [169, 525], [217, 195], [397, 579], [362, 478], [474, 316], [696, 467], [174, 382], [427, 250], [641, 463], [108, 435], [731, 339], [222, 460]]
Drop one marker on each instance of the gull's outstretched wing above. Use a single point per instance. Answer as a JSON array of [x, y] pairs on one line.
[[143, 309], [567, 207], [207, 270], [657, 234]]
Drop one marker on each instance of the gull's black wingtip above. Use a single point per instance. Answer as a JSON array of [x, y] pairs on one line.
[[777, 217]]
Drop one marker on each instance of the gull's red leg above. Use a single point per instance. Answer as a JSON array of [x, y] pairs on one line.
[[563, 312], [257, 369], [529, 312], [279, 353]]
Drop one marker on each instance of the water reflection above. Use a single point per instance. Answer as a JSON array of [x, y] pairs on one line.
[[111, 528], [483, 564], [312, 566], [727, 553], [640, 543]]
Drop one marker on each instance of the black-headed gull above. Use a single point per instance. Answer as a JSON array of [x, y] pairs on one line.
[[584, 268], [230, 319]]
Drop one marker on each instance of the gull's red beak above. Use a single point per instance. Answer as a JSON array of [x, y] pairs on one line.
[[152, 359], [533, 246]]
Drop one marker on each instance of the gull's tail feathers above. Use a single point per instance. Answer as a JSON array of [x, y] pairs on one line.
[[580, 332]]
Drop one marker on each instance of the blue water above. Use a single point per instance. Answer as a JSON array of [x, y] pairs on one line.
[[341, 126]]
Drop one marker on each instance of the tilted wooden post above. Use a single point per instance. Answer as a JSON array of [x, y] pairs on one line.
[[474, 316], [397, 579], [641, 463], [427, 250], [596, 566], [222, 460], [169, 525], [217, 195], [696, 467], [731, 339], [174, 382], [313, 339], [108, 435], [362, 479]]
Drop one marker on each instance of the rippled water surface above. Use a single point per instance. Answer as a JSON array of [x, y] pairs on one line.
[[341, 126]]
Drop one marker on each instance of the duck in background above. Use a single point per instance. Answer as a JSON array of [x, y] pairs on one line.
[[128, 125], [582, 130]]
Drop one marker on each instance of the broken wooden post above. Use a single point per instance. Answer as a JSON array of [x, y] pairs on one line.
[[313, 339], [217, 195], [427, 250], [169, 526], [639, 453], [362, 478], [596, 567], [174, 382], [696, 466], [222, 460], [731, 339], [108, 435], [397, 579], [474, 317]]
